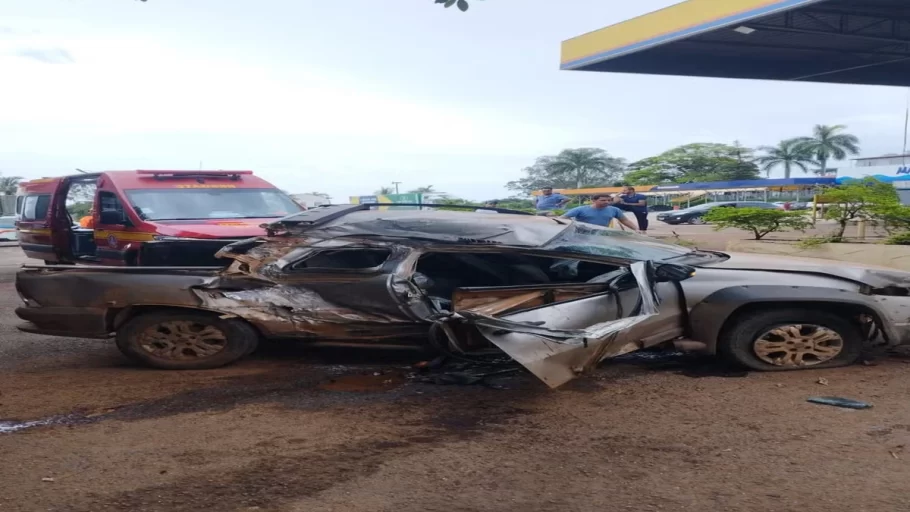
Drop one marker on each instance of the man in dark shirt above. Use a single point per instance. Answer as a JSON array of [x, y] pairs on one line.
[[636, 203]]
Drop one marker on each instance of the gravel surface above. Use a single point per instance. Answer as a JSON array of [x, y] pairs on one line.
[[293, 429]]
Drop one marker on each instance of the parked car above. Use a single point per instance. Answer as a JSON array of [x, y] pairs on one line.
[[794, 205], [660, 208], [8, 228], [556, 295], [695, 214]]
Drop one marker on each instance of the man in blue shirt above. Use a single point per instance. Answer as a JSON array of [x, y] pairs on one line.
[[600, 213], [637, 204], [549, 201]]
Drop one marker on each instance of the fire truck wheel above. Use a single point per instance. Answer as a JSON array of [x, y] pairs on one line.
[[185, 340]]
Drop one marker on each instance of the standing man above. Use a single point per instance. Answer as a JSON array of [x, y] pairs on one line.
[[636, 203], [548, 201], [600, 213]]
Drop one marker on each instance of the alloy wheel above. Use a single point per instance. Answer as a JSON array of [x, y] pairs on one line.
[[182, 340], [798, 345]]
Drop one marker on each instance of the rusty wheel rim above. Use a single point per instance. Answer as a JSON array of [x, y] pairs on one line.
[[182, 340], [798, 345]]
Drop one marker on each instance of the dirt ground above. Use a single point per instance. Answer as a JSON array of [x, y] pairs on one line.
[[293, 429]]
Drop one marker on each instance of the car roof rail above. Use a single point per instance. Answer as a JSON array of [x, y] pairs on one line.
[[322, 215]]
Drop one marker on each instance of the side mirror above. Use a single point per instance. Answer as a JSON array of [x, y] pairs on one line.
[[112, 218], [671, 272]]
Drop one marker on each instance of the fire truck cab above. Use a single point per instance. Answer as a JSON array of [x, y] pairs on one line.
[[148, 218]]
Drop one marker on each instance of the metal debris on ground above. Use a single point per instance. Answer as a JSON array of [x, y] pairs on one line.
[[823, 381], [840, 402], [463, 372]]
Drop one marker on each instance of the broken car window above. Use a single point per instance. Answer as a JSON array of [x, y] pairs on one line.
[[611, 243], [351, 259], [442, 273]]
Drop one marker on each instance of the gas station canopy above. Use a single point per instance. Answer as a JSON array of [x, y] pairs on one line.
[[835, 41]]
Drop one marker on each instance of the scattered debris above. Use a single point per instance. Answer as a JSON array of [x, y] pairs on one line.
[[47, 479], [840, 402], [823, 381], [893, 454]]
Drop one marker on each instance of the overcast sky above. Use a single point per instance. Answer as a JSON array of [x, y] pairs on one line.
[[345, 96]]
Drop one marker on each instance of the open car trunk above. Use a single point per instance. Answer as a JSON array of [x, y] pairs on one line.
[[558, 331]]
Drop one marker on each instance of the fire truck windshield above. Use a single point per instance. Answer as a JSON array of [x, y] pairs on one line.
[[210, 203]]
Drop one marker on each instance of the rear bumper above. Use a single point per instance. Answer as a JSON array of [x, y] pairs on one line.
[[69, 322]]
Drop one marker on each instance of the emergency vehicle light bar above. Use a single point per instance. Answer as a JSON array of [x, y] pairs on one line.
[[159, 175]]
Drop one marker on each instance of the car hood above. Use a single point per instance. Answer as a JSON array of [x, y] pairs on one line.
[[871, 275], [220, 228]]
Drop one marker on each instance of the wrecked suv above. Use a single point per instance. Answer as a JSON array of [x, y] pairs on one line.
[[557, 296]]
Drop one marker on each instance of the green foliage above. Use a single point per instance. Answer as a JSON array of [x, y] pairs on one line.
[[79, 210], [760, 221], [694, 163], [789, 153], [572, 168], [9, 185], [828, 142], [461, 4], [892, 215], [815, 241], [899, 239], [424, 190], [868, 199], [384, 191]]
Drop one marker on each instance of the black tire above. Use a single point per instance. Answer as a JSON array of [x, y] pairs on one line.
[[737, 343], [228, 339]]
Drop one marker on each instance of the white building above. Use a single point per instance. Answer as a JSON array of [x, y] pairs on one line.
[[892, 166]]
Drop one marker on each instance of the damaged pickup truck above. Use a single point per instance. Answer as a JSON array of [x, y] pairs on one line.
[[557, 296]]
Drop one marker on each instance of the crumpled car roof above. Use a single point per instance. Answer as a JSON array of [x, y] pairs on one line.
[[445, 226]]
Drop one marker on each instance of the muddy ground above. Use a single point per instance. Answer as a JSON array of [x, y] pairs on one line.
[[302, 430]]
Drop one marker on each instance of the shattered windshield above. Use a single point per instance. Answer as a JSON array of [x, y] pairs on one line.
[[599, 241]]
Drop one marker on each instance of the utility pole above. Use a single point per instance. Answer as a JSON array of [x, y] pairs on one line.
[[396, 183]]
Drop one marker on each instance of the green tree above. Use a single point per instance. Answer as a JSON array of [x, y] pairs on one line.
[[694, 163], [571, 168], [788, 153], [461, 4], [424, 190], [743, 153], [868, 199], [9, 184], [760, 221], [384, 191], [829, 142]]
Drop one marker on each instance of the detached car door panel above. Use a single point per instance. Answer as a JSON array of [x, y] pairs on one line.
[[560, 341]]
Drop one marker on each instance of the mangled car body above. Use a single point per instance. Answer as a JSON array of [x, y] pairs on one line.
[[556, 295]]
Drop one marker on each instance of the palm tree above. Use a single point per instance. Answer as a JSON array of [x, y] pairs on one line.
[[9, 184], [424, 190], [828, 142], [585, 166], [790, 153], [384, 191]]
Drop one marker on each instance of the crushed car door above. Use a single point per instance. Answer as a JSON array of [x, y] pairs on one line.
[[563, 339]]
